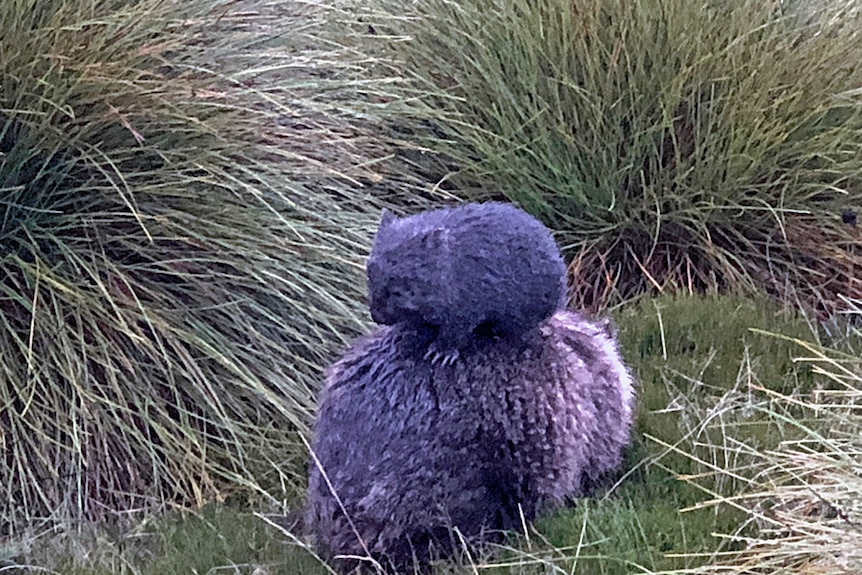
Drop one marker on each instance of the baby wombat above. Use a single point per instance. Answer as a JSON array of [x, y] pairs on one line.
[[524, 415], [475, 269]]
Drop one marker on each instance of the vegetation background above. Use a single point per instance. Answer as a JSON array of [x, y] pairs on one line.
[[188, 189]]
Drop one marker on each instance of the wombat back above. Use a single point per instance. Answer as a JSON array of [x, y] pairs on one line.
[[407, 448], [532, 405]]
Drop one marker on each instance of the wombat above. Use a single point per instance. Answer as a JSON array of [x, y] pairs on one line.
[[522, 417], [475, 269]]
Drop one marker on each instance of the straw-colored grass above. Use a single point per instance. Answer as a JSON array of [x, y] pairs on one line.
[[174, 271], [803, 498]]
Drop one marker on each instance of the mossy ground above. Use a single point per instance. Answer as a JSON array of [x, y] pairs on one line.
[[698, 361]]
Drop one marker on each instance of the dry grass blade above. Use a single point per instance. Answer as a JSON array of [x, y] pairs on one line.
[[804, 496]]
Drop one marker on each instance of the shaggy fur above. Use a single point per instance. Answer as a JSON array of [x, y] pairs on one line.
[[413, 447], [487, 268], [406, 447]]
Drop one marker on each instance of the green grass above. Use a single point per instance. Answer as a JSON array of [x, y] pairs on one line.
[[805, 494], [187, 190], [174, 271], [665, 514], [669, 142]]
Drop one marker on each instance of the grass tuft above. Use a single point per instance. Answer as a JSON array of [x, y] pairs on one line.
[[804, 497], [670, 143], [173, 271]]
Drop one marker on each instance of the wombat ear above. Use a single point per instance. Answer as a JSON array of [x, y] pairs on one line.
[[386, 218], [436, 239]]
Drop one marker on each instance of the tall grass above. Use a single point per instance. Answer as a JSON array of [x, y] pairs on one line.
[[173, 270], [695, 144]]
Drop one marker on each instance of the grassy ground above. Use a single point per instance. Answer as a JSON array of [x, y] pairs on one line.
[[709, 377], [232, 155]]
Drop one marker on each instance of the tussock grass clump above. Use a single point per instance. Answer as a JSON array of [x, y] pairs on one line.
[[671, 143], [168, 291]]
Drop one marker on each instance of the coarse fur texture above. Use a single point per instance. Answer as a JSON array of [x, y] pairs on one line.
[[413, 447], [531, 405], [477, 268]]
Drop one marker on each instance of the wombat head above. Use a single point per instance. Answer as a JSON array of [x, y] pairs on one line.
[[474, 271], [406, 270]]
